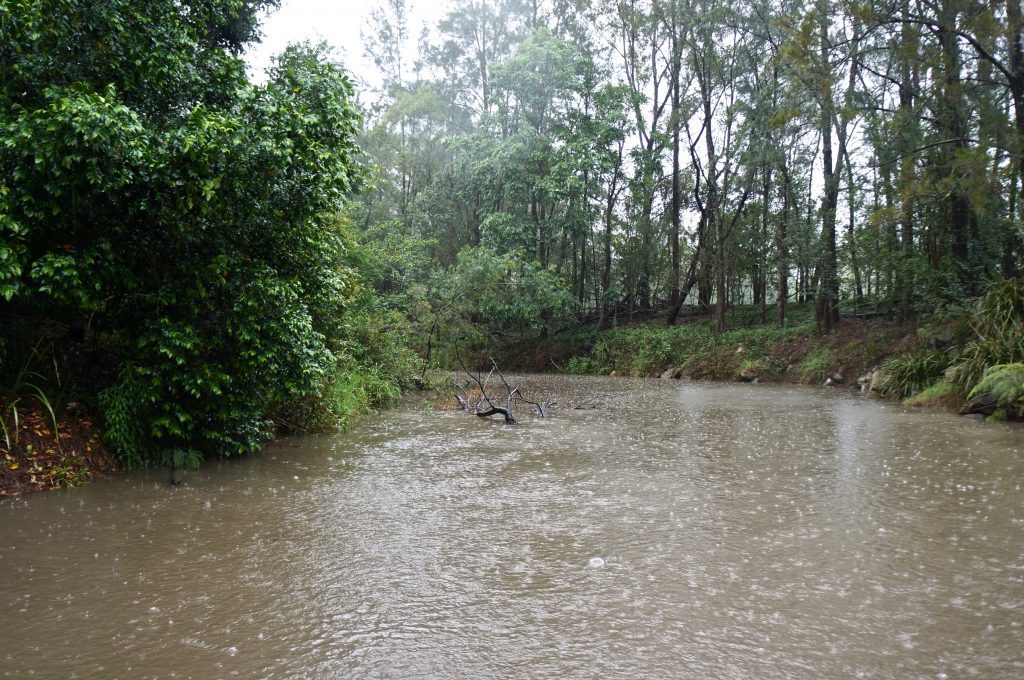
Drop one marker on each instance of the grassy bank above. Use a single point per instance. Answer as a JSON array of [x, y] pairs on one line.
[[969, 361], [744, 352]]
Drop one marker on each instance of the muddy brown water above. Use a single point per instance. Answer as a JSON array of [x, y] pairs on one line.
[[675, 531]]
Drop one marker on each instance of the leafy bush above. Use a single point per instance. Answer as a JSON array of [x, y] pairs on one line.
[[374, 361], [905, 375], [506, 292], [998, 324], [124, 429], [344, 396], [150, 187], [652, 353], [585, 366]]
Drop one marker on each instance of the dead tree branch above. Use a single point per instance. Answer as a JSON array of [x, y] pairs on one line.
[[482, 384], [585, 404], [485, 404]]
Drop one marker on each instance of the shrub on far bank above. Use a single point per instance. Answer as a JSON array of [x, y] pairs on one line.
[[647, 350], [911, 373], [985, 362], [941, 361], [998, 324], [585, 366]]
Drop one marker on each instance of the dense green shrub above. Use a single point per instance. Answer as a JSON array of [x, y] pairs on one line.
[[151, 191], [908, 374], [996, 344], [486, 298], [506, 292], [585, 366], [998, 325]]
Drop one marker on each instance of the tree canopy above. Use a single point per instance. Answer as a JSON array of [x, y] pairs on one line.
[[651, 153], [155, 195]]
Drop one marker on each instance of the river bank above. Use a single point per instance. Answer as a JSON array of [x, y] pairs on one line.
[[942, 364], [961, 363], [36, 458], [795, 354]]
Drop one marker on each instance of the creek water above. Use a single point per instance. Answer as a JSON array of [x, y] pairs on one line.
[[676, 530]]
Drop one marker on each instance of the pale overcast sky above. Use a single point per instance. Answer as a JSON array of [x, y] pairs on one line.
[[338, 23]]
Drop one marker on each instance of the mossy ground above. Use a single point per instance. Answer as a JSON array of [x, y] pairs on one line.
[[942, 395]]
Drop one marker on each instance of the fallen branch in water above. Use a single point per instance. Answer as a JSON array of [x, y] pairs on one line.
[[473, 396], [586, 404], [505, 411], [516, 394], [543, 408]]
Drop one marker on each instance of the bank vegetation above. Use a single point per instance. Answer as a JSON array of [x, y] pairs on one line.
[[191, 261]]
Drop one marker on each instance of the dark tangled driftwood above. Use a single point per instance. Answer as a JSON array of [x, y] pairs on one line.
[[483, 404]]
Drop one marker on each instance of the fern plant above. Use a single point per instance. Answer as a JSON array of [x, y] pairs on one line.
[[1005, 384], [121, 409]]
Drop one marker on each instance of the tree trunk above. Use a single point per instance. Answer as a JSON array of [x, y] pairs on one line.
[[765, 218], [906, 141], [673, 278], [827, 309], [951, 120], [781, 252], [691, 274], [1015, 44], [851, 225], [609, 221], [704, 283]]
